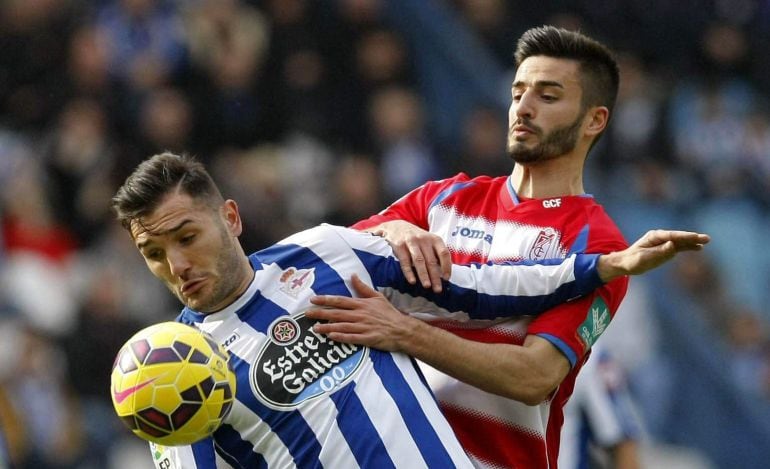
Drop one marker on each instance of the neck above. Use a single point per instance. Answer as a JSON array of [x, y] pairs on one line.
[[557, 177]]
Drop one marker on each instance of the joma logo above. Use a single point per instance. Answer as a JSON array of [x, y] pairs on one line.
[[471, 233]]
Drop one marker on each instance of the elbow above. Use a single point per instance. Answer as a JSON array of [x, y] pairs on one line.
[[535, 395], [538, 388]]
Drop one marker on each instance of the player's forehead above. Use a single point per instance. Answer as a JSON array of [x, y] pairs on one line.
[[541, 71], [175, 211]]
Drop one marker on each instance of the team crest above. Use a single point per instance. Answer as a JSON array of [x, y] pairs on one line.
[[296, 281], [542, 244]]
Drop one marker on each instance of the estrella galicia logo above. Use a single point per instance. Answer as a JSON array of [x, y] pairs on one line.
[[297, 364]]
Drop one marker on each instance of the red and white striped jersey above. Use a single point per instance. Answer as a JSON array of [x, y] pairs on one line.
[[482, 219]]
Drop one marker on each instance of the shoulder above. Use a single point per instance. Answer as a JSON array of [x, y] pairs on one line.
[[603, 228]]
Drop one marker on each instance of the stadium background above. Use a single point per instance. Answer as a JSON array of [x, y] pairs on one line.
[[326, 110]]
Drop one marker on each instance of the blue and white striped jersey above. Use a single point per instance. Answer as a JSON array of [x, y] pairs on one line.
[[305, 401]]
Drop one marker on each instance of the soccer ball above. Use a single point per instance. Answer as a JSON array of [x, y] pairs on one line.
[[171, 384]]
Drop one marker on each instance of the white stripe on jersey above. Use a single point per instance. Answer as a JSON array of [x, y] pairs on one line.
[[385, 414], [447, 222], [530, 280]]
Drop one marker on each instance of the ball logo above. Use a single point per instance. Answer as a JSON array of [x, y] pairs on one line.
[[297, 364]]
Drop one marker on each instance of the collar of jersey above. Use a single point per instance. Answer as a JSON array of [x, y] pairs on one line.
[[513, 198]]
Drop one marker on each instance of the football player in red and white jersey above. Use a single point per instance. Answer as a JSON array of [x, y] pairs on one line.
[[503, 384]]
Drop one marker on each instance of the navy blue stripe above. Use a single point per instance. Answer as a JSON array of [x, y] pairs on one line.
[[260, 312], [327, 280], [481, 305], [447, 192], [423, 433], [290, 426], [562, 346], [512, 191], [359, 431], [581, 242], [237, 452], [203, 454]]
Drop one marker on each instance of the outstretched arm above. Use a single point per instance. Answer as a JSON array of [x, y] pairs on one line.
[[424, 256]]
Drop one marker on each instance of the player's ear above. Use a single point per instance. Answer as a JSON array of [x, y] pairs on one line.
[[232, 217], [597, 120]]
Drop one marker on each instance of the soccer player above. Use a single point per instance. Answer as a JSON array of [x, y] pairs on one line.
[[601, 427], [502, 386], [303, 400]]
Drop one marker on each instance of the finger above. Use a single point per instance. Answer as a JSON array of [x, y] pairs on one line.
[[362, 288], [445, 260], [339, 327], [405, 259], [420, 259], [334, 301]]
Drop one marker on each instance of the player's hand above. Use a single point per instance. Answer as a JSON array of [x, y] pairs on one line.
[[423, 255], [369, 320], [648, 252]]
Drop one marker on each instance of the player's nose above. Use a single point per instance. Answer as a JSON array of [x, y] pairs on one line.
[[178, 263]]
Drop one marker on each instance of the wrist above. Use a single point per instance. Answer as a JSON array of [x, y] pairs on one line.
[[609, 267]]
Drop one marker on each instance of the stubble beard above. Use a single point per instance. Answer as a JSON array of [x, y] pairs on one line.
[[227, 280], [559, 141]]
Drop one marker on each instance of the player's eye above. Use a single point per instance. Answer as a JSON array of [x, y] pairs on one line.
[[187, 239], [154, 254]]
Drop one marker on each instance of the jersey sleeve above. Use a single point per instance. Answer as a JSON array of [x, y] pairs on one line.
[[413, 207], [574, 327], [199, 455], [477, 291]]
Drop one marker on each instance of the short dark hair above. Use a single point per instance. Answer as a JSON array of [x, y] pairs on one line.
[[600, 76], [157, 177]]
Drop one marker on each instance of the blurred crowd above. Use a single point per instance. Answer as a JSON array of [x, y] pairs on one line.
[[312, 110]]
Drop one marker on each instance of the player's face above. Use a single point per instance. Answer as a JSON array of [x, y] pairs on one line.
[[193, 249], [546, 118]]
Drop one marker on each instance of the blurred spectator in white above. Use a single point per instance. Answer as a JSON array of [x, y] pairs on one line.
[[707, 112], [38, 253]]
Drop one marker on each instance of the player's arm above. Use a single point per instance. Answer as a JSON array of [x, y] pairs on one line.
[[525, 373], [424, 255], [199, 455]]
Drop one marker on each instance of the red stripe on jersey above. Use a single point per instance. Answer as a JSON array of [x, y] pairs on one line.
[[490, 335], [496, 450]]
